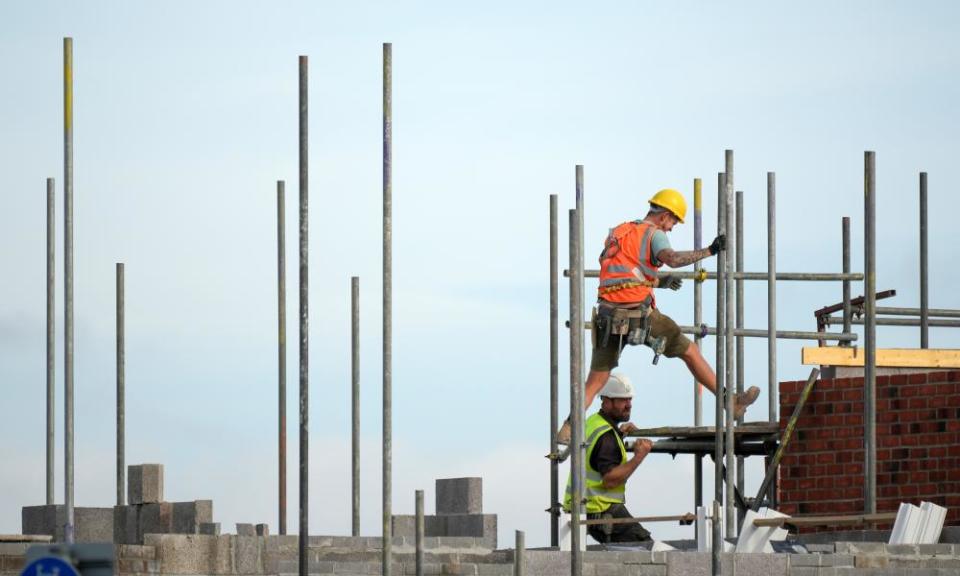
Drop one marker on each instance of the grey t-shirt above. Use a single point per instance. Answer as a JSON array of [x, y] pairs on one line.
[[657, 243]]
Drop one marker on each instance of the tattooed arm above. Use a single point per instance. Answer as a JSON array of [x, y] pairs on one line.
[[682, 258]]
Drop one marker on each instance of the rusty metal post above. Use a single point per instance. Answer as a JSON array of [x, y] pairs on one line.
[[355, 399], [282, 353], [121, 386], [698, 340], [51, 339], [924, 268], [68, 285], [386, 563], [304, 540]]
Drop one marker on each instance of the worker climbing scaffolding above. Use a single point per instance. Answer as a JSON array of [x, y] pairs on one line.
[[626, 311]]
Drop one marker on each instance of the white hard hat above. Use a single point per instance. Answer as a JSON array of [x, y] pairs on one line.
[[617, 386]]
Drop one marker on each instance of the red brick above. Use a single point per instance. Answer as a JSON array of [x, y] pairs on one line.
[[853, 420], [917, 403], [888, 441], [946, 389], [908, 491], [898, 379], [888, 491], [853, 395], [918, 378], [826, 458], [853, 469], [909, 440], [883, 380]]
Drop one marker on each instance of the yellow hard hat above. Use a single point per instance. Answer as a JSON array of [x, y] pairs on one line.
[[671, 200]]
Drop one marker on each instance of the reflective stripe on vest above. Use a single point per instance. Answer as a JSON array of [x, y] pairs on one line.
[[597, 497], [627, 269]]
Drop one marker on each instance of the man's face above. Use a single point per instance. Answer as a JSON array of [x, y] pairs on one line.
[[618, 408], [667, 221]]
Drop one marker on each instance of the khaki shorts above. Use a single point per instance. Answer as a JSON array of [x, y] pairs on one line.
[[606, 358]]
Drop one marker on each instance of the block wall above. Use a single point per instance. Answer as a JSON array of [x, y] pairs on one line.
[[918, 445]]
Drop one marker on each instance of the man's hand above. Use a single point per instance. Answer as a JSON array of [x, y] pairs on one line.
[[627, 428], [670, 281], [719, 243], [642, 447]]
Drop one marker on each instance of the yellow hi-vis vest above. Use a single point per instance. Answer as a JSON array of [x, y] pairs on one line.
[[598, 498]]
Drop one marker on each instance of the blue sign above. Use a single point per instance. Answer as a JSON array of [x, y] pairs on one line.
[[49, 566]]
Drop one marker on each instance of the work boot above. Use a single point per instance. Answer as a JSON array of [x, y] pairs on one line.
[[741, 401], [563, 435]]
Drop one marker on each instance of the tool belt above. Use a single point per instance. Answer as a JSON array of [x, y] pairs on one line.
[[632, 324]]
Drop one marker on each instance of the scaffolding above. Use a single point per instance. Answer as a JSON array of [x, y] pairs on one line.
[[730, 330]]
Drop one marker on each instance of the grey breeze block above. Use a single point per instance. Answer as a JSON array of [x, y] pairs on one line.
[[459, 496], [145, 483]]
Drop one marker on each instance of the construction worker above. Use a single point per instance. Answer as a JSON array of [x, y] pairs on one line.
[[626, 310], [607, 465]]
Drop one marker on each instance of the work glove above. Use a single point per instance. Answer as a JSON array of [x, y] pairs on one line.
[[719, 243], [670, 281]]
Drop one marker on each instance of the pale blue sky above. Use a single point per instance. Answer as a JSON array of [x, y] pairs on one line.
[[186, 115]]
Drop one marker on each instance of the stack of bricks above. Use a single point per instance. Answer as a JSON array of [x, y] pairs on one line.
[[459, 513], [918, 445], [148, 513]]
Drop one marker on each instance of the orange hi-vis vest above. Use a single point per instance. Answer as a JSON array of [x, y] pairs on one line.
[[627, 271]]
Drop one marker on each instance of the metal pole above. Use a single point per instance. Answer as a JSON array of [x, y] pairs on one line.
[[924, 269], [847, 311], [282, 354], [419, 532], [739, 322], [304, 540], [121, 386], [386, 566], [697, 340], [758, 276], [518, 555], [782, 334], [355, 398], [870, 334], [881, 321], [68, 284], [931, 312], [730, 354], [554, 375], [721, 382], [576, 396], [579, 205], [51, 343], [772, 384]]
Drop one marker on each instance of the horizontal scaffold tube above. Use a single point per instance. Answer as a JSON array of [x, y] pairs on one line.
[[934, 322], [941, 312], [705, 330], [789, 276]]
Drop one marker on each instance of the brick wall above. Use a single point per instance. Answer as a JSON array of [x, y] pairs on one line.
[[918, 445]]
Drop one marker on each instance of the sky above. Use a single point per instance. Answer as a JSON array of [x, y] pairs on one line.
[[186, 117]]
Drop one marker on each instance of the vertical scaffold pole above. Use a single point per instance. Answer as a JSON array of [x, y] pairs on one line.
[[721, 379], [924, 269], [847, 311], [772, 297], [870, 334], [739, 321], [579, 206], [51, 338], [418, 510], [554, 373], [68, 285], [121, 385], [730, 520], [576, 393], [304, 540], [386, 563], [697, 321], [355, 400], [519, 563], [282, 357]]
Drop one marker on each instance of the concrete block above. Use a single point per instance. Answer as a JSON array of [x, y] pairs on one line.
[[804, 560], [155, 518], [209, 528], [476, 525], [126, 521], [459, 496], [805, 571], [188, 516], [246, 530], [696, 563], [248, 556], [93, 525], [145, 483], [43, 520], [760, 564], [871, 561], [263, 529]]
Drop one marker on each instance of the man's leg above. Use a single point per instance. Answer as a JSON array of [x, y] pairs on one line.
[[595, 381], [633, 532]]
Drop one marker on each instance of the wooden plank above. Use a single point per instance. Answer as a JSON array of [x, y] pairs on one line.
[[747, 428], [886, 357], [826, 520]]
